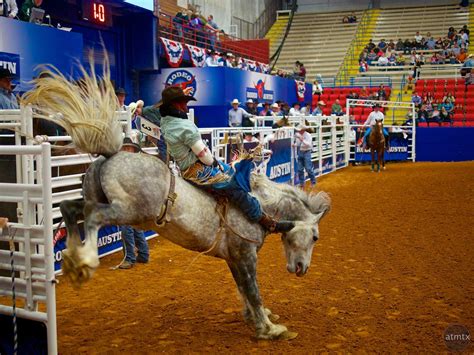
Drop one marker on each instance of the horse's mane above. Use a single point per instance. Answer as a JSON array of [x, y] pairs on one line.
[[285, 197]]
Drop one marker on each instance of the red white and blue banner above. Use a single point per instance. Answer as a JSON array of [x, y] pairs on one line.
[[300, 90], [174, 52], [197, 54]]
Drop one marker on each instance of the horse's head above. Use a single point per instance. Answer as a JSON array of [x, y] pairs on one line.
[[299, 242]]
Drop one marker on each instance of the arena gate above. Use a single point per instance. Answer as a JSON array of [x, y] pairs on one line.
[[402, 138]]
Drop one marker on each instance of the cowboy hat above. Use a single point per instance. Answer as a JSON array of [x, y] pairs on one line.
[[275, 105], [134, 105], [376, 105], [321, 103], [120, 91], [173, 93], [301, 127], [250, 101], [235, 101], [128, 143]]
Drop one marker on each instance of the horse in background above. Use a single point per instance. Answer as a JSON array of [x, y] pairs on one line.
[[376, 143]]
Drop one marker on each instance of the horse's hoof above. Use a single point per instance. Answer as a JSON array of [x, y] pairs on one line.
[[287, 335], [273, 317]]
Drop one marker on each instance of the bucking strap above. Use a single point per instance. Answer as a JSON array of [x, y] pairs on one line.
[[164, 218]]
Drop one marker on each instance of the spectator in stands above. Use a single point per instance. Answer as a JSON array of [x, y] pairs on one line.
[[469, 62], [363, 93], [439, 44], [236, 114], [391, 45], [451, 32], [336, 108], [452, 58], [372, 56], [276, 112], [392, 60], [345, 19], [363, 67], [296, 69], [399, 46], [450, 98], [353, 95], [250, 107], [179, 20], [382, 45], [306, 109], [295, 110], [317, 86], [418, 40], [121, 95], [416, 99], [466, 29], [434, 117], [371, 45], [319, 110], [434, 59], [423, 114], [381, 93], [198, 24], [212, 59], [383, 61], [407, 46], [266, 109], [430, 43], [25, 11], [285, 108], [456, 49], [352, 18], [448, 106], [428, 98], [445, 115], [302, 72], [223, 60], [8, 8], [401, 60], [212, 29], [8, 100], [462, 56], [409, 86]]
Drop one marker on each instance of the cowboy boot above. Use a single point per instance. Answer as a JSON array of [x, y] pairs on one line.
[[274, 226]]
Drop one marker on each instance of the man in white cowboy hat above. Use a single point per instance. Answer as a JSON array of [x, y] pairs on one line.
[[276, 112], [295, 110], [318, 111], [237, 114], [374, 116], [304, 146]]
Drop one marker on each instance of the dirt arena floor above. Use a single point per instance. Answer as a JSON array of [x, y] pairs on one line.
[[393, 268]]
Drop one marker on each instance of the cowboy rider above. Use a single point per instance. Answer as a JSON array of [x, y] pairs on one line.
[[199, 167], [374, 116]]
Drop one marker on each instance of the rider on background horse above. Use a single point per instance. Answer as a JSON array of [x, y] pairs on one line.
[[375, 115], [198, 166]]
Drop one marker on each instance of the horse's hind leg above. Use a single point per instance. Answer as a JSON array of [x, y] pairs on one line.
[[244, 273], [71, 211]]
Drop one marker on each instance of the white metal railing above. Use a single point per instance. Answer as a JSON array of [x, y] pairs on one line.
[[34, 261]]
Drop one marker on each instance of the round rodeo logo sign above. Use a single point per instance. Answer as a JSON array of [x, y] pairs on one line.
[[183, 79]]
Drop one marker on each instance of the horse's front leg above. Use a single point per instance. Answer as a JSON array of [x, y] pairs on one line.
[[372, 152], [244, 273], [96, 215]]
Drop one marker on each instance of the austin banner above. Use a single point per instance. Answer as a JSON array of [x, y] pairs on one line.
[[109, 241], [279, 165]]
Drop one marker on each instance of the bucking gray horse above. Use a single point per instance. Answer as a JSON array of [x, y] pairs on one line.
[[122, 188]]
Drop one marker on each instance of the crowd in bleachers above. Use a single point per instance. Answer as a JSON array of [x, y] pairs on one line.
[[443, 101], [452, 49]]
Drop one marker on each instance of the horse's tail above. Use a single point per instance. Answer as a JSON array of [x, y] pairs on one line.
[[84, 108]]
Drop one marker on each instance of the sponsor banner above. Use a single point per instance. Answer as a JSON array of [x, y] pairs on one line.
[[340, 160], [197, 54], [398, 150], [327, 165], [300, 90], [11, 62], [279, 165], [109, 241], [174, 52]]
